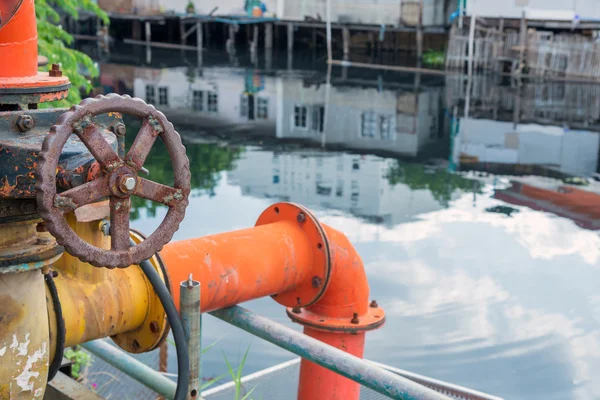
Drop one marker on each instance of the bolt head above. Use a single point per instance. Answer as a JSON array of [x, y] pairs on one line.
[[25, 123], [120, 129], [301, 217], [128, 183]]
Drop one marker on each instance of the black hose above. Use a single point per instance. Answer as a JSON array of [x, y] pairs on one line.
[[183, 363], [60, 328]]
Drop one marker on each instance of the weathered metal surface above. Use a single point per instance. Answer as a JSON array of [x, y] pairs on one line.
[[155, 328], [311, 290], [24, 248], [191, 318], [19, 153], [354, 368], [98, 302], [63, 387], [242, 265], [8, 8], [24, 342], [53, 207], [373, 319], [41, 95], [132, 367]]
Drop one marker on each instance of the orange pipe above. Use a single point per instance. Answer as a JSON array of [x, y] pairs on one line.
[[309, 267], [18, 43], [317, 382], [238, 266]]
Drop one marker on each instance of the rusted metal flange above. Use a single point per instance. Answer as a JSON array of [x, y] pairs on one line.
[[310, 291], [156, 327], [373, 319]]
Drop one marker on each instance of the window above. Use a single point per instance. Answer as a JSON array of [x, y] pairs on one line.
[[386, 127], [319, 161], [244, 106], [262, 108], [300, 116], [318, 114], [198, 100], [213, 101], [368, 124], [340, 164], [356, 164], [339, 189], [150, 94], [163, 96], [355, 193], [276, 176]]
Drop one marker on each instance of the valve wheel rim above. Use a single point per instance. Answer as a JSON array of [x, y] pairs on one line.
[[115, 182]]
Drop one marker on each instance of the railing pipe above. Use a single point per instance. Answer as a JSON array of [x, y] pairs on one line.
[[351, 367], [132, 367]]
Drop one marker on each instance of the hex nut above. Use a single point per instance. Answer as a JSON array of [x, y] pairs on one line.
[[25, 122]]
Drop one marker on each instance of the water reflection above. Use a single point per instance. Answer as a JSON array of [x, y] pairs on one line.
[[462, 206]]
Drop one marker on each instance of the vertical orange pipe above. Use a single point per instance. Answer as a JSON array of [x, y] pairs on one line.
[[318, 383], [18, 43]]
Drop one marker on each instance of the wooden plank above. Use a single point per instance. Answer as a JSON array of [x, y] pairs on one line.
[[63, 387]]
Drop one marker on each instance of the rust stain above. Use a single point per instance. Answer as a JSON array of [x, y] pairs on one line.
[[11, 315]]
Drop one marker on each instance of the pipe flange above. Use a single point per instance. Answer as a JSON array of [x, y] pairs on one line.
[[310, 291], [155, 328], [373, 319]]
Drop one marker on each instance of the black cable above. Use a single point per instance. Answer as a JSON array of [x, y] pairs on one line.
[[60, 328], [183, 363]]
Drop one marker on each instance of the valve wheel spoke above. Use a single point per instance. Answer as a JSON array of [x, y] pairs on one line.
[[143, 143], [119, 223], [81, 195], [157, 192], [99, 147]]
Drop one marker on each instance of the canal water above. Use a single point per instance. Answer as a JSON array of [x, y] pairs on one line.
[[472, 205]]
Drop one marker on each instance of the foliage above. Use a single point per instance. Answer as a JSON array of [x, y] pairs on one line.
[[80, 360], [53, 42], [433, 57], [439, 182], [236, 376]]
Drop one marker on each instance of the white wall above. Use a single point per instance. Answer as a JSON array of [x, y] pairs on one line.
[[573, 152], [536, 9]]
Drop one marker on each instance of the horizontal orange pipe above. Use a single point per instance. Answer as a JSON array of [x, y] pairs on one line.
[[18, 43], [318, 383], [239, 266]]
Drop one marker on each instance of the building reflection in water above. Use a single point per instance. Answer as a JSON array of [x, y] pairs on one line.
[[384, 151]]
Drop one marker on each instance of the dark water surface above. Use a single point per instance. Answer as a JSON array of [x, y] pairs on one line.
[[486, 262]]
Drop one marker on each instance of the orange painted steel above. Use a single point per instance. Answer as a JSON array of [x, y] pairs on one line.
[[307, 266], [19, 55], [318, 383], [238, 266], [18, 43]]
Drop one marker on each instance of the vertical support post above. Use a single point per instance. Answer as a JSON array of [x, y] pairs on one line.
[[136, 30], [231, 41], [269, 36], [255, 37], [346, 41], [148, 40], [182, 32], [522, 42], [328, 19], [419, 34], [290, 37], [148, 33], [199, 36], [191, 318], [472, 23]]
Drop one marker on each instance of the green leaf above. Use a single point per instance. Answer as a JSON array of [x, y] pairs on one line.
[[249, 393]]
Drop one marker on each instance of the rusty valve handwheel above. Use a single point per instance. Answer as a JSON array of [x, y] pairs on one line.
[[119, 181]]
